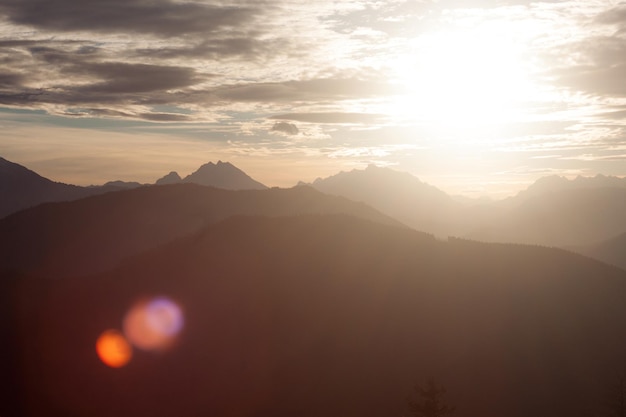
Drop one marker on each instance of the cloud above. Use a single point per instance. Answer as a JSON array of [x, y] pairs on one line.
[[9, 79], [239, 45], [153, 117], [599, 67], [102, 83], [162, 18], [119, 77], [613, 16], [331, 117], [334, 88], [597, 80], [407, 18], [286, 128]]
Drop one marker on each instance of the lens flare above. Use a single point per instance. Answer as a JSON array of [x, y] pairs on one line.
[[113, 349], [153, 324]]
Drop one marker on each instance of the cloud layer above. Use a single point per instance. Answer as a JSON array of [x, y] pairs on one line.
[[304, 77]]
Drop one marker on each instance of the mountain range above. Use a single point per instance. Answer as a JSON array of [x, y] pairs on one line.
[[583, 214], [554, 211], [95, 233], [21, 188], [300, 302], [322, 315]]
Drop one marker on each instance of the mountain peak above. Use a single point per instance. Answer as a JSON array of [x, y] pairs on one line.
[[395, 193], [171, 178], [223, 175]]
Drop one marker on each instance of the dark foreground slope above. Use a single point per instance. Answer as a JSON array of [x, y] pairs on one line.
[[327, 316], [94, 234]]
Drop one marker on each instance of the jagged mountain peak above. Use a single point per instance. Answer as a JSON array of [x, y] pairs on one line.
[[171, 178], [396, 193], [223, 175]]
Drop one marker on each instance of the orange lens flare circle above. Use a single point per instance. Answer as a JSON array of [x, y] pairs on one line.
[[113, 349]]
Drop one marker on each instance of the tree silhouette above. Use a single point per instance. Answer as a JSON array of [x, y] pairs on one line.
[[429, 402]]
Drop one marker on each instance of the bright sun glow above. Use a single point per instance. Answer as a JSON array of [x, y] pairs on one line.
[[466, 77]]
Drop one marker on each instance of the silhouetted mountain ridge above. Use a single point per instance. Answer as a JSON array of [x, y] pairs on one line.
[[95, 233], [22, 188], [171, 178], [223, 175], [330, 315]]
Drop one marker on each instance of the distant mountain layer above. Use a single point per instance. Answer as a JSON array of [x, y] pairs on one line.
[[570, 217], [95, 233], [557, 183], [399, 195], [323, 316], [554, 211], [611, 251], [21, 188]]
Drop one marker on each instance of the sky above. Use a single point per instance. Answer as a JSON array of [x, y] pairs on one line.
[[476, 97]]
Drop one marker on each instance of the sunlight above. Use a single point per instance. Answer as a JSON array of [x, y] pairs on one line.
[[468, 77], [113, 349]]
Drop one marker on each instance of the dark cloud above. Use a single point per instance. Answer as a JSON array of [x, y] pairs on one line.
[[153, 117], [164, 18], [110, 83], [118, 77], [239, 45], [306, 90], [79, 73], [284, 127], [122, 84], [165, 117], [331, 117], [10, 80]]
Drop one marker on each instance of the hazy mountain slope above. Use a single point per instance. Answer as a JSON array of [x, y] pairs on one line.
[[21, 188], [223, 175], [93, 234], [571, 217], [399, 195], [551, 184], [329, 316], [554, 211], [612, 251]]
